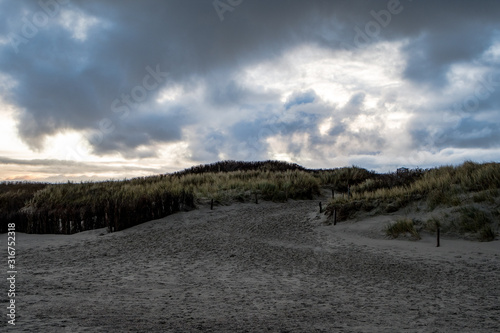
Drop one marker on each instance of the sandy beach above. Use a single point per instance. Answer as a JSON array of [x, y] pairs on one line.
[[267, 267]]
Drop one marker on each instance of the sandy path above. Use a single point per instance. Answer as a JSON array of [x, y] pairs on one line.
[[245, 268]]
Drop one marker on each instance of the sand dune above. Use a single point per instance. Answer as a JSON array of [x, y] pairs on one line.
[[243, 268]]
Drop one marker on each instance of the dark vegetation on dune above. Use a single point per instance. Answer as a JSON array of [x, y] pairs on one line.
[[469, 192], [13, 197], [73, 207], [229, 166]]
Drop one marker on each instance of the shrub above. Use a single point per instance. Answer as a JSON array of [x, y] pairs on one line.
[[435, 198], [472, 220], [432, 224], [404, 226], [485, 196], [486, 234]]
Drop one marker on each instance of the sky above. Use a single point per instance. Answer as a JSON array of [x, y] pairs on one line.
[[104, 89]]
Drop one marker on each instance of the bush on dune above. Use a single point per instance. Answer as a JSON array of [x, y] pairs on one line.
[[402, 227]]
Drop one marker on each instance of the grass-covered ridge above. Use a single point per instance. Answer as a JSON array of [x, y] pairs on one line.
[[446, 185], [471, 193], [74, 207]]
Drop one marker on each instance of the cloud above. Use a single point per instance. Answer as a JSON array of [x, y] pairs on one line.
[[138, 130], [302, 97], [54, 166], [101, 68], [431, 55]]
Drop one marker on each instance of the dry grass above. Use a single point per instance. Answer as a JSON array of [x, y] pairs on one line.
[[269, 185], [402, 227], [444, 187], [68, 208], [440, 186]]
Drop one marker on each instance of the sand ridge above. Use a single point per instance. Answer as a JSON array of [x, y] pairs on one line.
[[271, 267]]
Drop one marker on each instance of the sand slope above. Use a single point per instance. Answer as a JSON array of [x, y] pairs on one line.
[[271, 267]]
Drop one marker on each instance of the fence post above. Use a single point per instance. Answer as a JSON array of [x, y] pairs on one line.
[[256, 199], [320, 208], [212, 204], [438, 232], [335, 216], [333, 193]]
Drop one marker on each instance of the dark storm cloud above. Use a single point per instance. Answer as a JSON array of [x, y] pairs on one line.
[[468, 121], [484, 96], [224, 92], [441, 33], [264, 128], [138, 131], [468, 133], [66, 83], [431, 55], [207, 145]]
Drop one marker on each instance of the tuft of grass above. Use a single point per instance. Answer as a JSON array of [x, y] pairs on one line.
[[402, 227], [472, 220], [432, 224], [486, 234], [486, 196]]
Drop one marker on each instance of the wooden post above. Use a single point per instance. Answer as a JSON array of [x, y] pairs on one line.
[[333, 193], [335, 217], [256, 199], [437, 233], [320, 208], [348, 192], [212, 204]]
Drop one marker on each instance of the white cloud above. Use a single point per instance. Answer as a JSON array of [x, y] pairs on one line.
[[77, 22], [283, 89]]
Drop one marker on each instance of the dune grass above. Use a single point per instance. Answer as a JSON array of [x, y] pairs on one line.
[[439, 183], [461, 186], [440, 186], [402, 227], [475, 221], [269, 185], [73, 207], [69, 208]]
